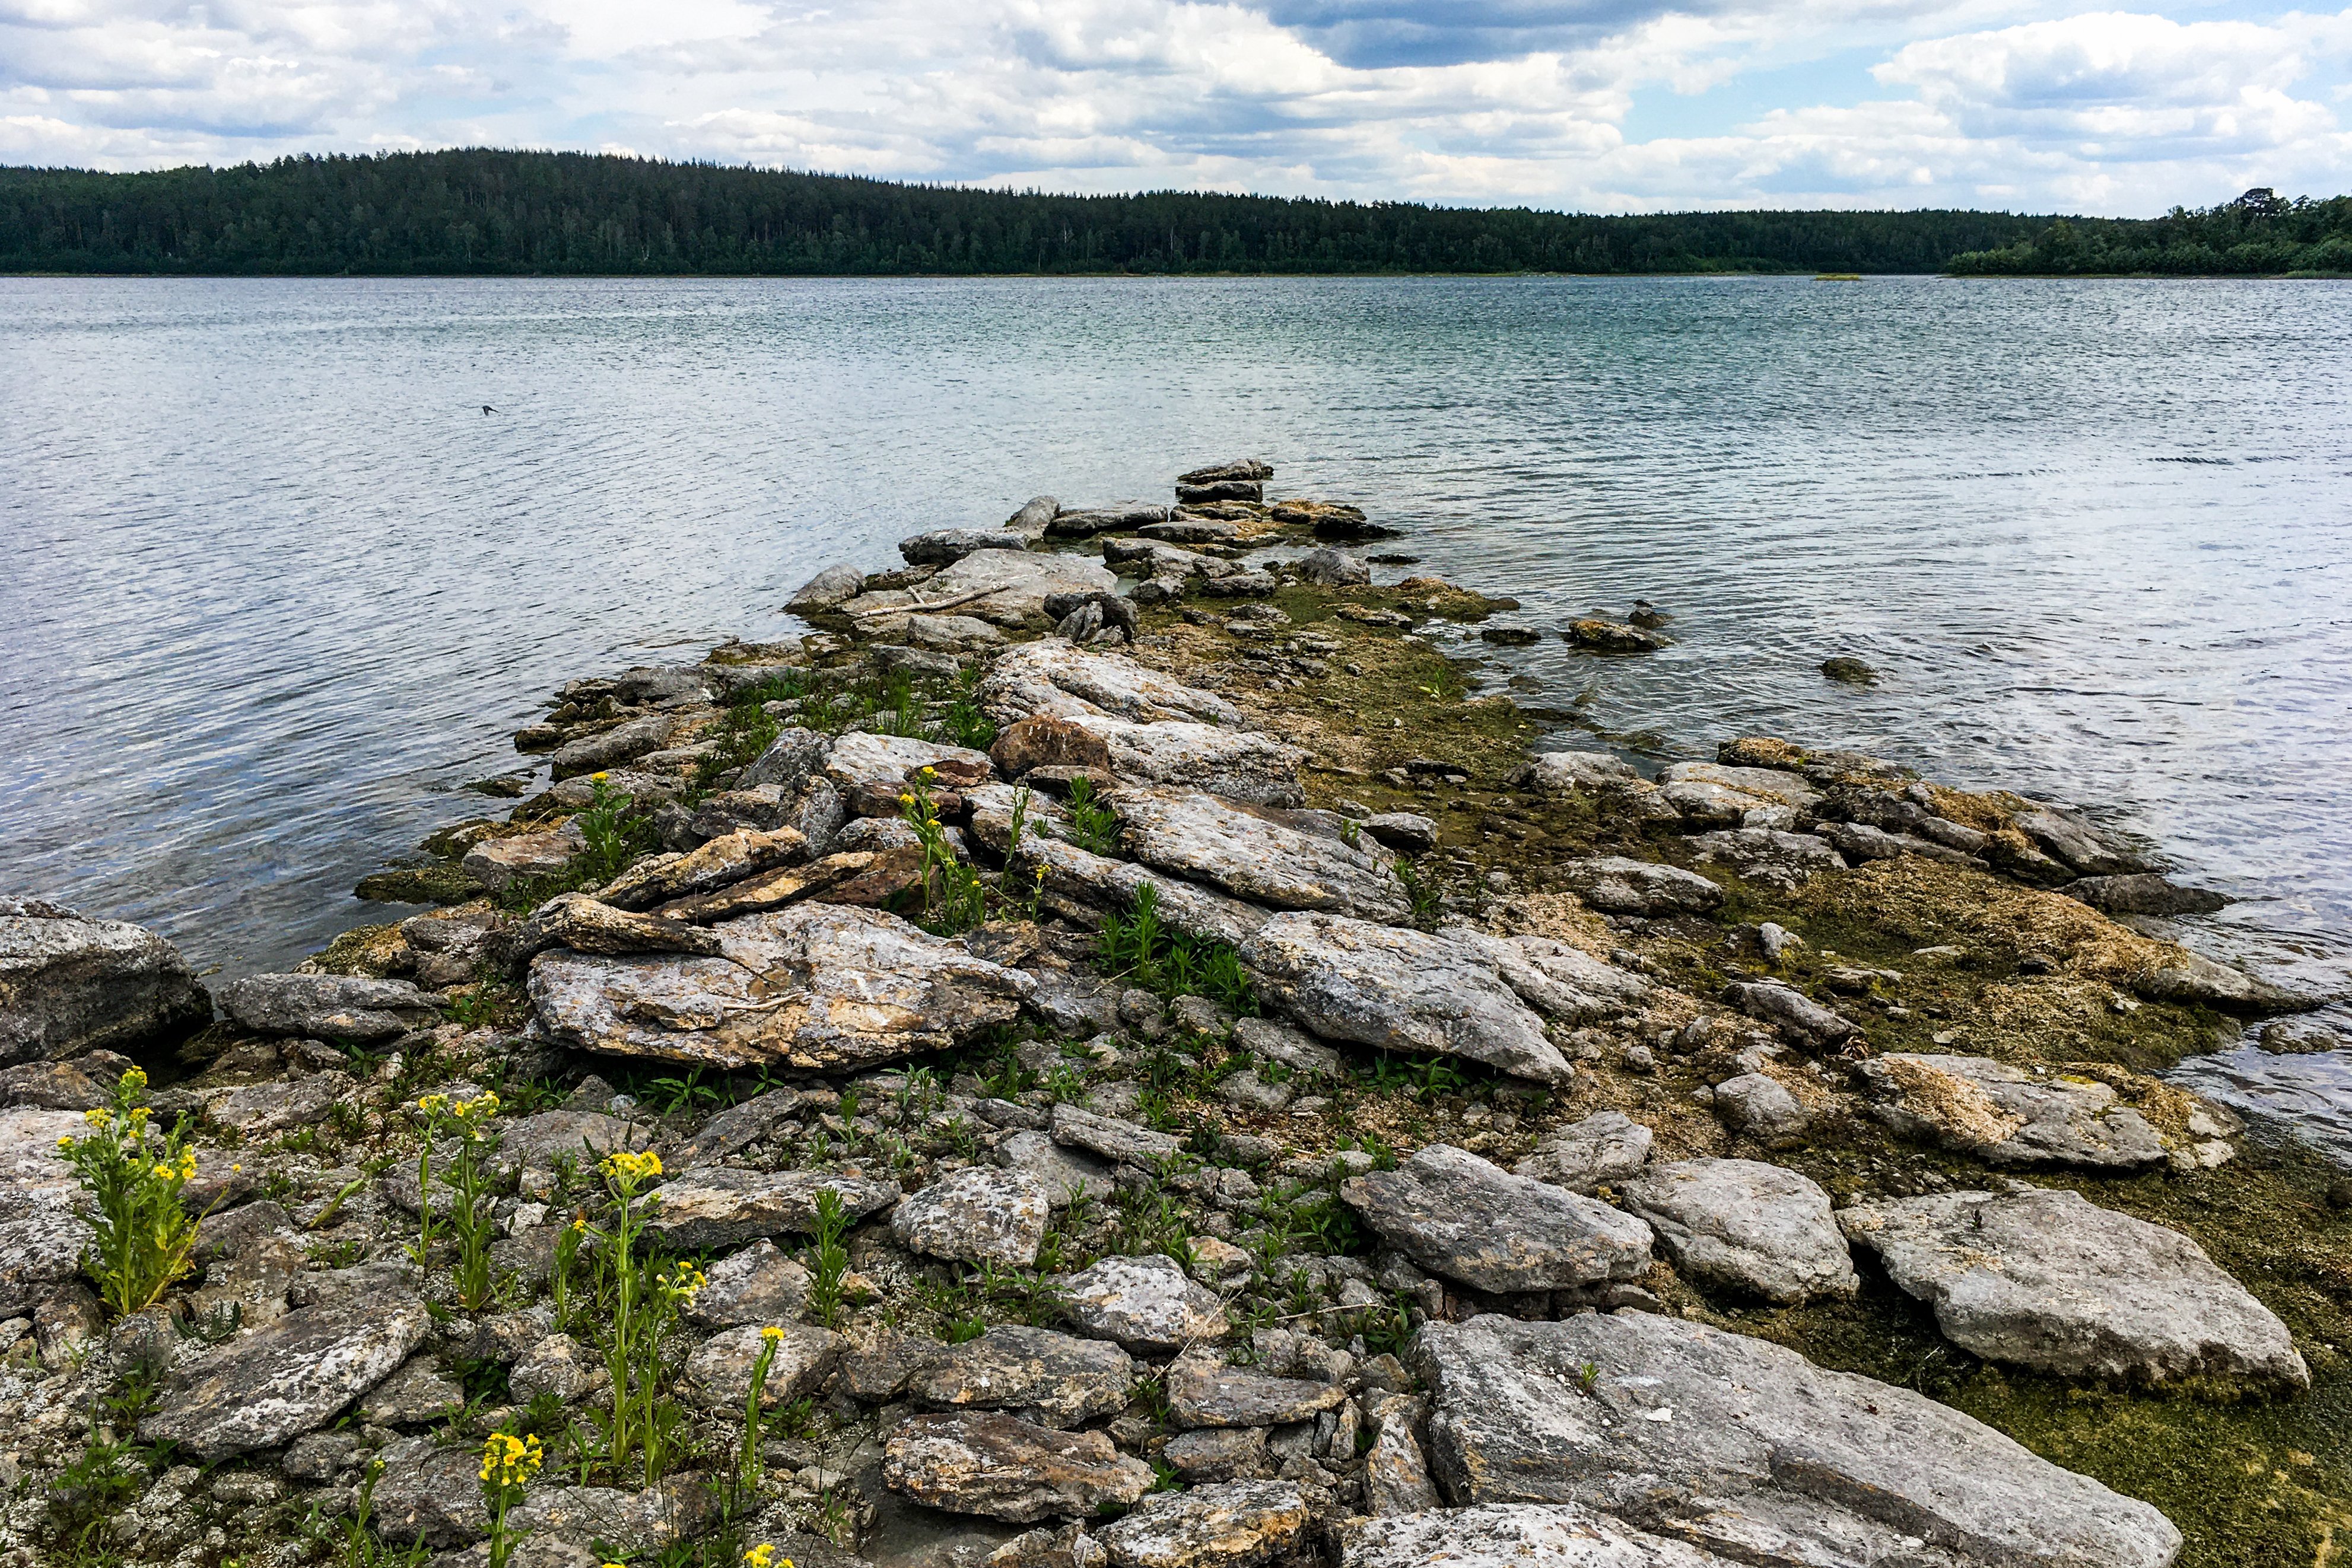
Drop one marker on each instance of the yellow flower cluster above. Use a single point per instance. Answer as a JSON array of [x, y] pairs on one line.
[[683, 1280], [135, 1081], [761, 1556], [486, 1103], [101, 1118], [627, 1166], [510, 1461], [598, 777], [771, 1333], [185, 1170]]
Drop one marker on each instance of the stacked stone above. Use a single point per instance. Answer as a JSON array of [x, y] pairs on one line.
[[1242, 479]]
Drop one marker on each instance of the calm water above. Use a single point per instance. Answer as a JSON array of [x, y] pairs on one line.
[[277, 586]]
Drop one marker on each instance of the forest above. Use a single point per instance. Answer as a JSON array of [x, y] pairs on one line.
[[488, 211]]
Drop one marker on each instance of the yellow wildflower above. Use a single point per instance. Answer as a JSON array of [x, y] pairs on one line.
[[66, 1142], [101, 1117], [598, 777], [134, 1081], [761, 1556], [906, 799], [929, 771], [771, 1333], [627, 1166], [433, 1105], [510, 1461]]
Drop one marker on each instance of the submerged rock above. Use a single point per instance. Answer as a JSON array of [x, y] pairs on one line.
[[1459, 1216], [1402, 990], [1747, 1226], [1600, 636], [2006, 1114], [816, 986], [70, 985], [2048, 1279], [1007, 1469], [1742, 1445]]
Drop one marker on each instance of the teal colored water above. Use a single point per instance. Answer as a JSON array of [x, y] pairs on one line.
[[275, 585]]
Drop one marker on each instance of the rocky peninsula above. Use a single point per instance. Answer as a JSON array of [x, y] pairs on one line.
[[1106, 1051]]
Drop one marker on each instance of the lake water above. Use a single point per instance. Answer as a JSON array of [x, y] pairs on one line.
[[276, 587]]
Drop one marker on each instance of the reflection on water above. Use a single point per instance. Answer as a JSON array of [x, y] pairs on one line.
[[2309, 1091], [276, 587]]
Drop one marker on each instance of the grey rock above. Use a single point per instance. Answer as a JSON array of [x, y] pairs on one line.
[[723, 1207], [812, 986], [1859, 841], [1601, 1149], [1151, 559], [1053, 677], [719, 1374], [1241, 764], [1084, 522], [1184, 531], [1745, 1226], [317, 1457], [977, 1214], [1333, 568], [289, 1377], [257, 1110], [757, 1285], [1792, 1010], [1562, 981], [341, 1007], [2188, 977], [736, 1128], [2007, 1115], [1595, 772], [639, 1524], [586, 924], [1036, 513], [1249, 470], [50, 1085], [1513, 1535], [1112, 1138], [2142, 892], [1762, 1108], [419, 1391], [1090, 886], [1014, 584], [858, 758], [560, 1367], [1064, 1380], [942, 547], [719, 863], [1218, 1453], [1287, 861], [1148, 1304], [1278, 1043], [2045, 1278], [428, 1493], [1234, 1525], [877, 1362], [1407, 832], [1459, 1216], [1744, 1446], [1396, 1472], [2067, 835], [987, 1463], [785, 765], [1710, 794], [828, 590], [231, 1232], [1616, 885], [1396, 989], [68, 985], [1063, 1171], [534, 1141], [1768, 855], [609, 748], [1204, 1392], [499, 864]]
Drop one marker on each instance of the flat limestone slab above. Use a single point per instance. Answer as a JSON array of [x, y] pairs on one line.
[[1257, 855], [2006, 1114], [1746, 1225], [1052, 675], [1745, 1448], [2050, 1281], [1512, 1535], [1460, 1216], [816, 986]]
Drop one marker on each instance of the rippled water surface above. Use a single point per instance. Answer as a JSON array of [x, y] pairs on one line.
[[276, 586]]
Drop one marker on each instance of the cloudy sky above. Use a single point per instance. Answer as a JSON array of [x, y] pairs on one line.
[[1597, 105]]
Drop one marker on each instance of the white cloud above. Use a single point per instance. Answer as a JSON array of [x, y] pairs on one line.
[[1980, 102]]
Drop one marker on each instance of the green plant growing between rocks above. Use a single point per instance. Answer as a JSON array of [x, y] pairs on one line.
[[646, 1297], [508, 1463], [954, 898], [1094, 827], [828, 1259], [141, 1233], [747, 1470], [471, 1209]]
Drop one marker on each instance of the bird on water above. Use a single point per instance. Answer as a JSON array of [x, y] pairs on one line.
[[488, 409]]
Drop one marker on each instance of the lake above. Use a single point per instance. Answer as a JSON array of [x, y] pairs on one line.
[[278, 587]]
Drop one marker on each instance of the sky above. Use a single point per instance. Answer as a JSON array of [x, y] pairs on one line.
[[1586, 105]]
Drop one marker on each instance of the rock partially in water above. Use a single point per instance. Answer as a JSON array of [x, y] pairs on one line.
[[2069, 836], [1086, 522], [2006, 1114], [1601, 1149], [1614, 885], [2045, 1278], [2142, 892], [1065, 1381], [609, 748], [497, 864], [1600, 636], [1287, 861], [1744, 1446], [980, 1214], [1745, 1226], [820, 987], [833, 587], [1236, 1524], [1402, 990], [1847, 670], [345, 1006], [993, 1464], [1333, 569], [2185, 976], [70, 985], [1456, 1215], [1013, 585], [942, 547]]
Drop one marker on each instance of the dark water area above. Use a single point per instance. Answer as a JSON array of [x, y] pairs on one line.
[[276, 587]]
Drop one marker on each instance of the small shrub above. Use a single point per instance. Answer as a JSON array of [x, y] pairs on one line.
[[140, 1234]]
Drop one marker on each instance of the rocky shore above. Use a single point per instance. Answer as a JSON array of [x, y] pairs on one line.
[[1121, 1059]]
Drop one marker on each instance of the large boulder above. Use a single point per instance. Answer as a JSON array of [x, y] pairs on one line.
[[2007, 1115], [68, 985], [1400, 990], [1058, 1379], [816, 986], [42, 1233], [988, 1463], [1743, 1447], [344, 1007], [275, 1382], [1288, 860], [1459, 1216], [1745, 1226], [2046, 1278]]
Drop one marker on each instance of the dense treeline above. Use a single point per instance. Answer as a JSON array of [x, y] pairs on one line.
[[2259, 235], [481, 211]]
